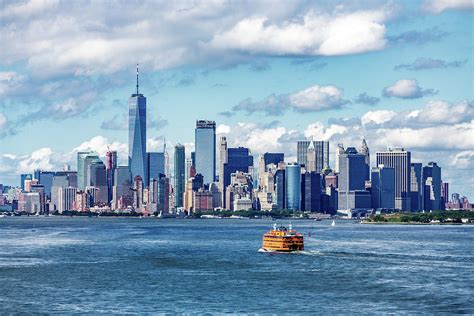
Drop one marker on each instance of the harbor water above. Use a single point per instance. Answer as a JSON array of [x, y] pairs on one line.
[[132, 265]]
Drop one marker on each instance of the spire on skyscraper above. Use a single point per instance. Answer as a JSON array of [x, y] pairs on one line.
[[137, 79]]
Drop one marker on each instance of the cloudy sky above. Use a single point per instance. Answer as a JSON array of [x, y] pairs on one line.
[[398, 73]]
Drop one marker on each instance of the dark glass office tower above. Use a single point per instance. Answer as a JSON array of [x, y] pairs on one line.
[[205, 141], [179, 174]]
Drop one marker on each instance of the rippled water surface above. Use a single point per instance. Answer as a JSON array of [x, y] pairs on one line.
[[116, 265]]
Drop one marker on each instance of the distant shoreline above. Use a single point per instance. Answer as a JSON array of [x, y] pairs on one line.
[[412, 223]]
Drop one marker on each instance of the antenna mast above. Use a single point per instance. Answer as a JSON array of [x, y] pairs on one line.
[[137, 79]]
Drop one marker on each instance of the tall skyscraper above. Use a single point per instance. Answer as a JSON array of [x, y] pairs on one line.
[[383, 187], [339, 151], [189, 165], [351, 181], [166, 157], [156, 165], [322, 155], [62, 179], [138, 194], [444, 194], [40, 190], [81, 155], [311, 158], [312, 192], [364, 150], [97, 178], [222, 161], [432, 184], [416, 187], [302, 152], [400, 160], [137, 134], [179, 174], [122, 193], [280, 190], [314, 155], [163, 189], [46, 179], [84, 159], [66, 198], [205, 142], [293, 186], [111, 160]]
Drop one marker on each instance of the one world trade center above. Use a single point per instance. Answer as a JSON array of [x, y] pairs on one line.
[[137, 134]]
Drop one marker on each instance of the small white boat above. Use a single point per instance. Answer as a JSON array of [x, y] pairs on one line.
[[333, 223], [2, 215]]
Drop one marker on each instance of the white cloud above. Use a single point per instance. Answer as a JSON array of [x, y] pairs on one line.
[[317, 98], [443, 137], [155, 144], [10, 80], [407, 89], [257, 138], [438, 6], [189, 148], [27, 8], [377, 117], [9, 156], [464, 159], [100, 145], [314, 34], [223, 129], [312, 99], [83, 38], [318, 131], [38, 159], [67, 108], [442, 112]]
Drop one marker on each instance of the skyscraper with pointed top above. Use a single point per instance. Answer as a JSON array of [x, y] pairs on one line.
[[137, 134]]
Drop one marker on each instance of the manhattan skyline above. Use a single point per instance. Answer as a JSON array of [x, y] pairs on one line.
[[401, 78]]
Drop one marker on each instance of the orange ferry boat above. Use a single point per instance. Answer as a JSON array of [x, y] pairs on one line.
[[282, 239]]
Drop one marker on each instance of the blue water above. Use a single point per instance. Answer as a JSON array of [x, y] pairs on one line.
[[118, 265]]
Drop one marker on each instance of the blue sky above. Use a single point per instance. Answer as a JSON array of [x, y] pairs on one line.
[[398, 73]]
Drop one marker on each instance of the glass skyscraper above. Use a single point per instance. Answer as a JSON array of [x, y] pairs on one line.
[[46, 179], [312, 192], [111, 159], [293, 186], [205, 141], [179, 174], [383, 187], [137, 134], [155, 165], [97, 177], [280, 192]]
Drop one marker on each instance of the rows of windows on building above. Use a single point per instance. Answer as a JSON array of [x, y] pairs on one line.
[[218, 177]]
